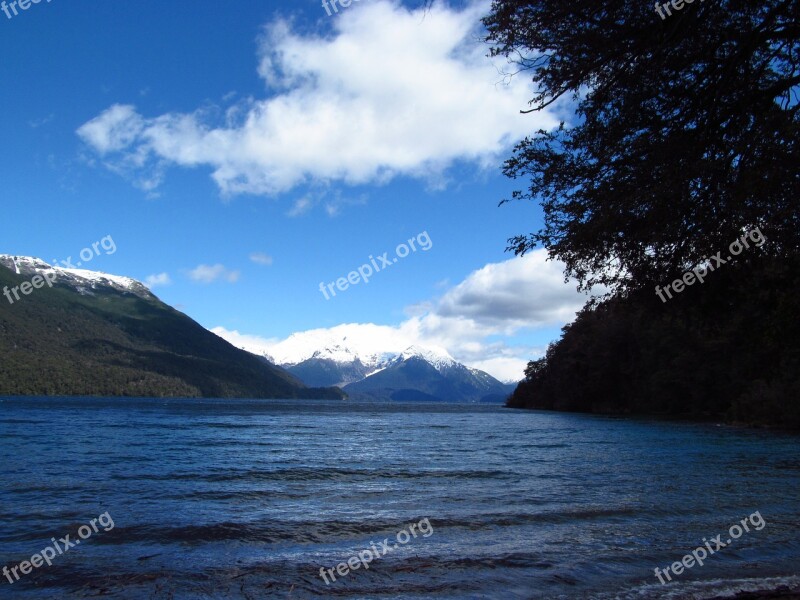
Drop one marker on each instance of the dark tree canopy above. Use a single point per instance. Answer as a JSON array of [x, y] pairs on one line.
[[685, 133], [725, 351]]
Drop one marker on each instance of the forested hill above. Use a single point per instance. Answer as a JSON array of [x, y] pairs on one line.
[[729, 350], [96, 335]]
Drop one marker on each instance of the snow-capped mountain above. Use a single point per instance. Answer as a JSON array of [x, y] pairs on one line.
[[380, 367], [420, 375], [81, 280], [84, 333], [438, 359], [340, 366], [368, 344]]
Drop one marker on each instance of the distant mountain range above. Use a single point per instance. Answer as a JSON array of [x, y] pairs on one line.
[[74, 332], [415, 374]]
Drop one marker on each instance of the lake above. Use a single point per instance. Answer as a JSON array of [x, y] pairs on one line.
[[251, 499]]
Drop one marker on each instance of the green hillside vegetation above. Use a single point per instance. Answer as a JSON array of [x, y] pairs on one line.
[[60, 342]]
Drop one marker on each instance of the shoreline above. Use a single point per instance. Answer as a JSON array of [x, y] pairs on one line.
[[784, 592], [703, 419]]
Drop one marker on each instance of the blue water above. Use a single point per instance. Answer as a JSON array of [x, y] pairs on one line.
[[249, 499]]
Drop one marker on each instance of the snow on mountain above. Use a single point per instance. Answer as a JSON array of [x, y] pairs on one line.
[[96, 277], [370, 345], [424, 374], [440, 359], [349, 351], [337, 353], [81, 279], [343, 344]]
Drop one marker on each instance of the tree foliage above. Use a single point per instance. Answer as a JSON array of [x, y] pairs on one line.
[[683, 135], [685, 131]]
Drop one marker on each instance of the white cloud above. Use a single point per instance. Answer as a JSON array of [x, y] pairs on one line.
[[252, 343], [500, 299], [115, 129], [261, 259], [153, 281], [367, 337], [508, 369], [300, 207], [212, 273], [527, 291], [389, 91]]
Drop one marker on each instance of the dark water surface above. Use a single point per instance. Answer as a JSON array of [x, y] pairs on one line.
[[247, 499]]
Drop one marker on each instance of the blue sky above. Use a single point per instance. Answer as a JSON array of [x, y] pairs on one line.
[[239, 155]]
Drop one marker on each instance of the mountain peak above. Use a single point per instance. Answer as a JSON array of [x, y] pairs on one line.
[[335, 352], [439, 358], [82, 280], [95, 334]]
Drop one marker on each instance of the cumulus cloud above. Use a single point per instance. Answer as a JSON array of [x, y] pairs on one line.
[[500, 299], [508, 369], [388, 91], [153, 281], [527, 291], [211, 273]]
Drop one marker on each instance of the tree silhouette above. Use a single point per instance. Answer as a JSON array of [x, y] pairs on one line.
[[684, 134]]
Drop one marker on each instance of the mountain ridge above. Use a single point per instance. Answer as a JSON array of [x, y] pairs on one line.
[[369, 372], [96, 334]]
